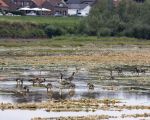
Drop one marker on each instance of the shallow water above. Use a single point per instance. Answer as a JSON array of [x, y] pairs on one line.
[[120, 89], [38, 94]]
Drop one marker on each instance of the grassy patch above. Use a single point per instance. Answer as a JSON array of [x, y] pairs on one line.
[[69, 21], [73, 41], [37, 27]]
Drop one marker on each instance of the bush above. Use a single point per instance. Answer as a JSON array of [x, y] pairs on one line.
[[141, 31], [104, 32], [36, 27], [54, 31]]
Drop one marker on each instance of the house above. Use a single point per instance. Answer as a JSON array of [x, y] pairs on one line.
[[85, 11], [80, 7], [81, 1], [57, 7], [22, 3], [3, 5], [11, 4], [89, 2], [73, 2]]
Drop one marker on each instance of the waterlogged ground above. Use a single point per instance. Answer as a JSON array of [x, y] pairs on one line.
[[125, 97], [128, 87]]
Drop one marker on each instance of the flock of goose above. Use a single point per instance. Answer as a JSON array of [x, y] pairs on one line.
[[68, 81], [38, 81]]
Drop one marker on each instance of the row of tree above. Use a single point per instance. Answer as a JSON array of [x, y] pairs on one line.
[[129, 18]]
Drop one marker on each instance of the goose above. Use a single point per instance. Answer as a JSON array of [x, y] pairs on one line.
[[63, 81], [26, 89], [49, 86], [71, 93], [34, 80], [40, 81], [72, 85], [66, 81], [111, 75], [23, 91], [71, 77], [139, 70], [19, 81], [90, 86], [119, 70]]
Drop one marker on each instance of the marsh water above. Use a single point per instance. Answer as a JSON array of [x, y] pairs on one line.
[[128, 91]]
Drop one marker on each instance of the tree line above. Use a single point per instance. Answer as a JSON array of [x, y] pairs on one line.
[[129, 18]]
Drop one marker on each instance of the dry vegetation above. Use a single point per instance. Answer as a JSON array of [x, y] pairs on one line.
[[96, 117], [110, 58], [63, 105]]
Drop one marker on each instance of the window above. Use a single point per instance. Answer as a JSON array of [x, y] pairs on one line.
[[22, 3], [60, 5], [27, 3]]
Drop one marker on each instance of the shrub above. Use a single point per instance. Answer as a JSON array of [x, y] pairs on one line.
[[104, 32], [54, 31], [141, 31]]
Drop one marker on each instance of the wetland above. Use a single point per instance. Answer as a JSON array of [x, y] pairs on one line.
[[120, 73]]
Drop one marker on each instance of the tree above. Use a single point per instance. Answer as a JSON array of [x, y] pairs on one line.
[[106, 19]]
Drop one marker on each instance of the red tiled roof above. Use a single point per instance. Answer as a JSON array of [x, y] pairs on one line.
[[52, 2], [3, 4], [11, 4], [39, 2]]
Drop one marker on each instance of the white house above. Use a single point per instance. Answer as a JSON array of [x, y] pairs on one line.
[[78, 9], [85, 11]]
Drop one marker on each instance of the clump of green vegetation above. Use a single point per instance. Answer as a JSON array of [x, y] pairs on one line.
[[36, 27], [129, 18], [74, 41], [63, 21]]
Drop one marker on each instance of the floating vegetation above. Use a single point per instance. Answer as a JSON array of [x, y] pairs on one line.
[[137, 107], [63, 105], [94, 117], [145, 115]]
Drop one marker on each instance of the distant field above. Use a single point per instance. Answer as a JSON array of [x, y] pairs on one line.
[[38, 19]]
